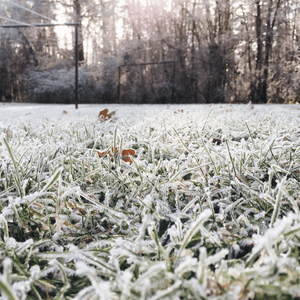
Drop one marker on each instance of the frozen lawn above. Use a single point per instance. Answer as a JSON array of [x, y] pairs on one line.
[[208, 208]]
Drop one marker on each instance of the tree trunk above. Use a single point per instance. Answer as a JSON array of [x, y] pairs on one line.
[[193, 79], [258, 90], [268, 47]]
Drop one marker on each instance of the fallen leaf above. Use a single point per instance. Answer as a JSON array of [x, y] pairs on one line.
[[127, 159], [125, 153], [65, 112], [112, 150], [28, 114], [178, 111], [128, 152], [103, 112], [99, 153], [110, 115], [104, 116]]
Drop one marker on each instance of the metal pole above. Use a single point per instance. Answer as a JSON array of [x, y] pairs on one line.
[[149, 63], [36, 25], [76, 66], [119, 82]]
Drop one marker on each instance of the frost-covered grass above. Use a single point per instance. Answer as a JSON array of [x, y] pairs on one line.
[[209, 208]]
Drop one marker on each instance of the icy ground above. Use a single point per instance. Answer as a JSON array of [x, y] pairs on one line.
[[12, 114], [206, 208]]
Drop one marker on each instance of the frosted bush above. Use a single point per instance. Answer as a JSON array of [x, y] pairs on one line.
[[58, 86]]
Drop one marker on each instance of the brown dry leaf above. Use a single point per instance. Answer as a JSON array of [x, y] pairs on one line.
[[178, 111], [104, 116], [127, 152], [28, 114], [112, 150], [103, 113], [110, 115], [100, 153], [65, 112], [127, 159]]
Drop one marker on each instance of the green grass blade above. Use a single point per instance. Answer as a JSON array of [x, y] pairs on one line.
[[5, 289], [16, 173], [52, 179]]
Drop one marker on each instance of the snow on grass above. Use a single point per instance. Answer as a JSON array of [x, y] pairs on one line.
[[208, 207]]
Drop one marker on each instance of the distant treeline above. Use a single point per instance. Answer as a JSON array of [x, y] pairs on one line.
[[216, 51]]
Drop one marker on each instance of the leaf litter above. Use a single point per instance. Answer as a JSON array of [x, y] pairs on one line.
[[206, 208]]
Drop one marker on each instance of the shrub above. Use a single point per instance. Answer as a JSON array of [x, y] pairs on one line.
[[58, 86]]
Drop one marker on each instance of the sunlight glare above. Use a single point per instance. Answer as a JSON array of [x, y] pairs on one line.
[[137, 9]]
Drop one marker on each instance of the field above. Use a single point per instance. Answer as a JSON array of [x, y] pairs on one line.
[[154, 202]]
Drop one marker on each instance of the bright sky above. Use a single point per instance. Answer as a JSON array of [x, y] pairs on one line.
[[65, 35]]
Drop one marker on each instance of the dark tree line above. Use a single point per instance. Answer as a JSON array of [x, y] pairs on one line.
[[224, 51]]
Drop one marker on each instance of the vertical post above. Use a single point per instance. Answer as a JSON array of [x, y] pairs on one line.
[[76, 66], [119, 83], [173, 86]]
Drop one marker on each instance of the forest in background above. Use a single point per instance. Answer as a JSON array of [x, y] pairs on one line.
[[218, 51]]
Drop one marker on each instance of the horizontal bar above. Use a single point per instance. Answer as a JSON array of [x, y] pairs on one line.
[[38, 25], [151, 63]]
